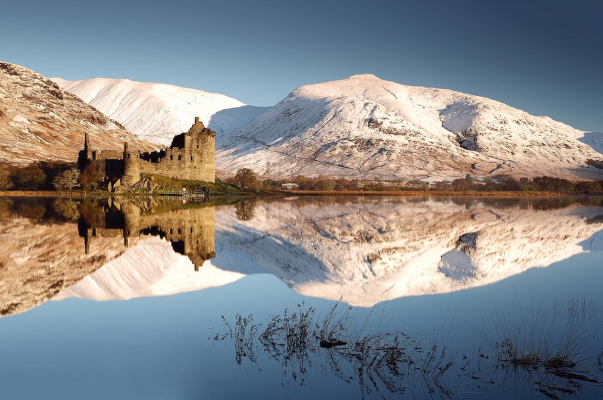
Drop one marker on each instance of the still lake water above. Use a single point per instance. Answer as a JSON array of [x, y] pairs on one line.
[[138, 299]]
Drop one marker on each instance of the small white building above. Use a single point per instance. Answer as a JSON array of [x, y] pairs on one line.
[[289, 186]]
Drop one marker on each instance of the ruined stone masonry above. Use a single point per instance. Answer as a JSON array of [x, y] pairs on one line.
[[191, 156]]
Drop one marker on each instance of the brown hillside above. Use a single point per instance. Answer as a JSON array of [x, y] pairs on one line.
[[40, 121]]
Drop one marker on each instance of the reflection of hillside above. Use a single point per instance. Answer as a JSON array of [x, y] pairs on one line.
[[43, 252], [190, 230], [366, 250], [370, 252], [149, 268]]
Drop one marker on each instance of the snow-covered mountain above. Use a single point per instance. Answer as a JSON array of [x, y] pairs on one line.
[[360, 127], [365, 127], [41, 121], [157, 112], [364, 252]]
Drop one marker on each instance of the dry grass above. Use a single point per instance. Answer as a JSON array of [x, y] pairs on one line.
[[529, 349]]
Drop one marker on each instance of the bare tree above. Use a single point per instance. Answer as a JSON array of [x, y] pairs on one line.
[[67, 179]]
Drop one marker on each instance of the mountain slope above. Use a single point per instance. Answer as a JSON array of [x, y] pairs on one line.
[[157, 112], [40, 121], [365, 127]]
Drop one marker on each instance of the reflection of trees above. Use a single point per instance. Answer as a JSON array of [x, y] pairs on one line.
[[31, 209], [47, 210], [93, 213], [245, 209], [68, 209], [5, 208]]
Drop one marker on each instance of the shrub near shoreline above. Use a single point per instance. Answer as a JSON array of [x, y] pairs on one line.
[[498, 183]]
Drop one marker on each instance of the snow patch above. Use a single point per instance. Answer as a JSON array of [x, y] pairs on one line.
[[21, 119]]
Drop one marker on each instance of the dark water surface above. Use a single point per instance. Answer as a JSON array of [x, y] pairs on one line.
[[126, 299]]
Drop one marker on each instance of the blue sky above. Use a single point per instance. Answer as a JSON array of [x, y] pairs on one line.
[[545, 57]]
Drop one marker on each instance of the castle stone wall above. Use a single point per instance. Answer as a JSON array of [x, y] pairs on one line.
[[191, 156], [106, 155]]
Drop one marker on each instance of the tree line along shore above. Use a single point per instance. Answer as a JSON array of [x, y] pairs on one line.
[[56, 178]]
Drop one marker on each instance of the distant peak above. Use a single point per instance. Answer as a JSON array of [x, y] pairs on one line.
[[363, 76]]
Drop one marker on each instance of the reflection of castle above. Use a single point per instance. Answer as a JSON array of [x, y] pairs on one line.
[[190, 230], [190, 156]]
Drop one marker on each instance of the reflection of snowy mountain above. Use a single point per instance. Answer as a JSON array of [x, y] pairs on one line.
[[151, 268], [372, 252], [39, 260], [365, 252]]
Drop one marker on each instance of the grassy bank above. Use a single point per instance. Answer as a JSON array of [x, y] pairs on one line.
[[430, 193], [221, 189], [165, 184], [55, 193]]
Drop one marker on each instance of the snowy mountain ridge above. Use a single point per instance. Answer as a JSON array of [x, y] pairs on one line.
[[359, 127], [365, 127], [157, 112]]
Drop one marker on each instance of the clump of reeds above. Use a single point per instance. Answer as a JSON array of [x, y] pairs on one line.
[[544, 351], [549, 348], [377, 359], [243, 334]]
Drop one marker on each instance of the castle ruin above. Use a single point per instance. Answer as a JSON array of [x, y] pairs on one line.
[[191, 156]]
